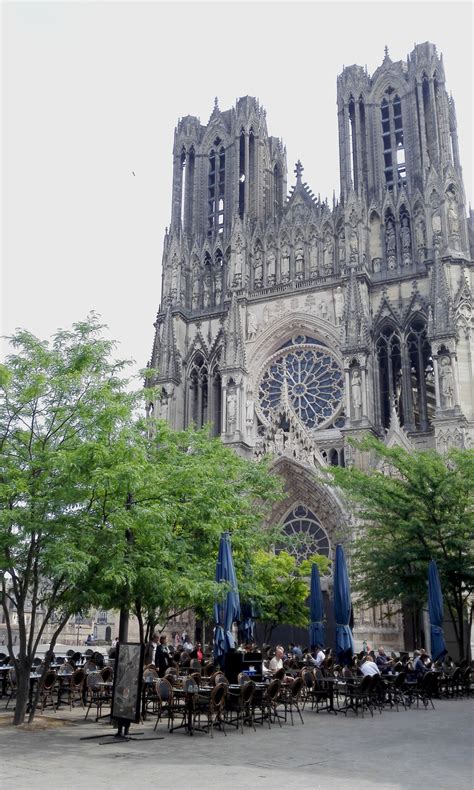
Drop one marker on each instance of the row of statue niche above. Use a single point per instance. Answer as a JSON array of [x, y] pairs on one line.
[[211, 291], [391, 243], [301, 271]]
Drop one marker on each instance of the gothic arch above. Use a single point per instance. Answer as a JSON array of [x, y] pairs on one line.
[[301, 486], [271, 337]]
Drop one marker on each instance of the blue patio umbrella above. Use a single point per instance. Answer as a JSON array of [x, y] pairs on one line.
[[316, 607], [342, 608], [436, 612], [228, 609]]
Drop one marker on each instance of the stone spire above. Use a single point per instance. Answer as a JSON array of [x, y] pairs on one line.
[[234, 353], [440, 324], [165, 355], [355, 330]]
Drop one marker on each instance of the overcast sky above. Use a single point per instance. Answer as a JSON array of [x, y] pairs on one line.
[[92, 91]]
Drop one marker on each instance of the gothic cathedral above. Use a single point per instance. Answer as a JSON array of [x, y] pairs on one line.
[[290, 324]]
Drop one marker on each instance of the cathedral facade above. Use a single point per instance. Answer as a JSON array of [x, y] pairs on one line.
[[291, 324]]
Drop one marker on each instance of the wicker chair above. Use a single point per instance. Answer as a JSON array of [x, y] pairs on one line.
[[291, 698], [240, 704], [49, 685]]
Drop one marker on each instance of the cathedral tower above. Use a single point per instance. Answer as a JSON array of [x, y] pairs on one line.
[[290, 324]]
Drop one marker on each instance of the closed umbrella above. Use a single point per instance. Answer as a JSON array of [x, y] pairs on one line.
[[342, 608], [436, 612], [228, 609], [316, 628]]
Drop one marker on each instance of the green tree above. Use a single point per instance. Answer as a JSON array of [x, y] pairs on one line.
[[98, 509], [201, 488], [70, 456], [281, 589], [421, 510]]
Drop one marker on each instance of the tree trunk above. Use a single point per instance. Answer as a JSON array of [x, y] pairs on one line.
[[22, 691]]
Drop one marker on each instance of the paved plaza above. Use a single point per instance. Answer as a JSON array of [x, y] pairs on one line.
[[412, 749]]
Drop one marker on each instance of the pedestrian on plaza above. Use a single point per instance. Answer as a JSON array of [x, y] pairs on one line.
[[150, 650], [162, 656]]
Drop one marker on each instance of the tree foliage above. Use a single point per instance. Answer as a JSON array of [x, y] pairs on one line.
[[281, 588], [421, 510], [101, 508]]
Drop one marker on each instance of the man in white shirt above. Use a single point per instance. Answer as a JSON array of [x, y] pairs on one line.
[[277, 661], [369, 667]]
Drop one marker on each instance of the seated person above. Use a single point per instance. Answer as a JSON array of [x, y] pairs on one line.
[[276, 664], [369, 667], [383, 662]]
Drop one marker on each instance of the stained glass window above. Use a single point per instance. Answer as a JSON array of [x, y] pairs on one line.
[[309, 536], [314, 380]]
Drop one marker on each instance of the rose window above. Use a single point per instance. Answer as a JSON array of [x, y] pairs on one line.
[[314, 382], [309, 537]]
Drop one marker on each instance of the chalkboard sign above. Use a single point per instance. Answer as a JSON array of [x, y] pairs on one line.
[[127, 690]]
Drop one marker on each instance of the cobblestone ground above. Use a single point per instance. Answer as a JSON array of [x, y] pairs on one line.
[[391, 751]]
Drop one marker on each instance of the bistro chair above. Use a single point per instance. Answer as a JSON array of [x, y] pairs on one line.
[[208, 670], [425, 689], [240, 704], [291, 698], [94, 693], [196, 676], [164, 690], [218, 677], [151, 697], [212, 707], [76, 686], [49, 684], [66, 669], [11, 686], [397, 691], [268, 704], [89, 667]]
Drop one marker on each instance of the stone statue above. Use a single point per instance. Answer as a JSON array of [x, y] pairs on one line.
[[236, 280], [280, 441], [339, 305], [328, 254], [252, 326], [323, 310], [271, 266], [353, 246], [285, 264], [163, 409], [231, 412], [206, 292], [341, 249], [420, 237], [174, 275], [356, 391], [195, 297], [446, 384], [453, 218], [249, 410], [299, 263], [258, 269], [390, 244], [406, 242], [313, 256], [218, 287]]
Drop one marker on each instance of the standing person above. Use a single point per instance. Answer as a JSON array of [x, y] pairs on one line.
[[150, 650], [162, 656]]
